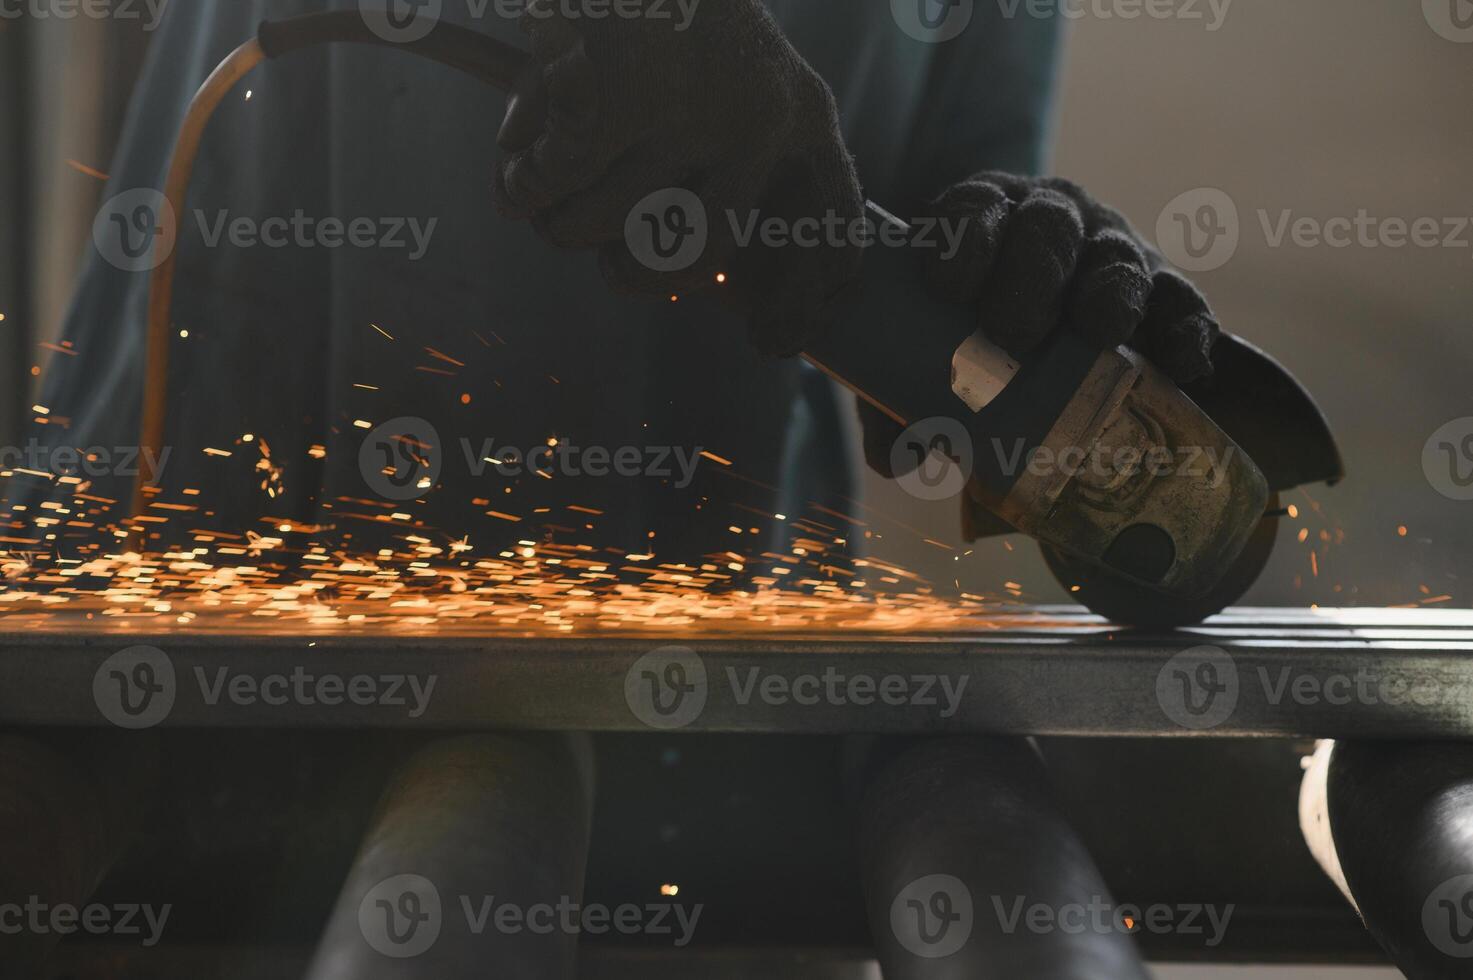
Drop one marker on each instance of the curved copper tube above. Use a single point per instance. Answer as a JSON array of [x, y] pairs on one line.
[[161, 282]]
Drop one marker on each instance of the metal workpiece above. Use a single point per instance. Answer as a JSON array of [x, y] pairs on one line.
[[1368, 673], [470, 827], [957, 837]]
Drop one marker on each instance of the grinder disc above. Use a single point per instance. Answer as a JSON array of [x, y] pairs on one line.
[[1128, 603]]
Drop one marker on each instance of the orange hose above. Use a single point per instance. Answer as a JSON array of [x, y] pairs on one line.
[[161, 282]]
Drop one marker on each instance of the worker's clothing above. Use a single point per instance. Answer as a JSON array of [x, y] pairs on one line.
[[733, 114], [496, 339]]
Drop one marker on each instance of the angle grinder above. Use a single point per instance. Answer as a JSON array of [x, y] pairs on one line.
[[1157, 544]]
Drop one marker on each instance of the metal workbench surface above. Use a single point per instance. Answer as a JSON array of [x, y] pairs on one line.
[[1052, 670]]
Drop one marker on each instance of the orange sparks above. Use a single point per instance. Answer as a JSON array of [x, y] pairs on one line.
[[438, 355], [82, 168]]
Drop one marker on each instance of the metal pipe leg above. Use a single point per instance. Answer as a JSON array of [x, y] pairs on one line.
[[1401, 824], [959, 838], [69, 804], [475, 838]]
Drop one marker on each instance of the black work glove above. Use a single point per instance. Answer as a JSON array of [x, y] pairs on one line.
[[1039, 255], [615, 109]]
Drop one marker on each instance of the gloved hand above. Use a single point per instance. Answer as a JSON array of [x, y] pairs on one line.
[[1039, 254], [617, 108]]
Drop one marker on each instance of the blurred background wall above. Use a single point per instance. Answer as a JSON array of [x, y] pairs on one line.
[[64, 86]]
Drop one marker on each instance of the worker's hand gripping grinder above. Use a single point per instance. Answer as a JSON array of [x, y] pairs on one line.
[[1174, 527]]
